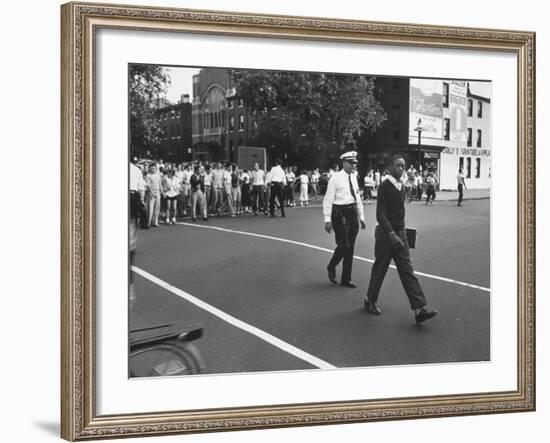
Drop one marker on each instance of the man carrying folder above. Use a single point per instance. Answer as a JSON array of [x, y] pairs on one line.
[[391, 243]]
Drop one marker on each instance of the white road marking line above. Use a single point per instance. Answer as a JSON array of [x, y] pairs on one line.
[[271, 339], [319, 248]]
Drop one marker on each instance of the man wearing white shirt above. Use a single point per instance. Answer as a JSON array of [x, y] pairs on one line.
[[258, 191], [207, 177], [227, 199], [277, 180], [217, 186], [342, 208], [185, 184]]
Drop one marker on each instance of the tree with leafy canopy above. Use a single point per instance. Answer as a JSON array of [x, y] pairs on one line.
[[324, 109], [147, 84]]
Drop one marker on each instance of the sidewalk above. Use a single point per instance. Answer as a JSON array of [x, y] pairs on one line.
[[469, 194]]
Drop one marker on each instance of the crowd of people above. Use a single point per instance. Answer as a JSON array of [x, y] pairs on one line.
[[204, 189], [416, 183]]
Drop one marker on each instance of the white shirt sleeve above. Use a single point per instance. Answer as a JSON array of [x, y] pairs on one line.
[[360, 209], [328, 199]]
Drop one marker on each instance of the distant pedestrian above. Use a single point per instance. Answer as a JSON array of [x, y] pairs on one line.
[[236, 194], [171, 187], [186, 187], [277, 182], [258, 190], [332, 170], [419, 185], [461, 184], [391, 243], [289, 188], [217, 187], [154, 193], [369, 184], [198, 195], [304, 188], [343, 211], [315, 176], [246, 191], [227, 195], [430, 188], [208, 186]]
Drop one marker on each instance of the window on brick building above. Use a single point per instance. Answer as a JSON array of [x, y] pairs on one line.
[[445, 95], [241, 122]]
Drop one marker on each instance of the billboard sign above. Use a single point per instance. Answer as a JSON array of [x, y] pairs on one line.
[[458, 107], [248, 155], [426, 103]]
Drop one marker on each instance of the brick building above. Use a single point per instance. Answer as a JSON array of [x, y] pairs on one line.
[[175, 123], [221, 121]]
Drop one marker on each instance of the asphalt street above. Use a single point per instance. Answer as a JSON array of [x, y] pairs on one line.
[[258, 286]]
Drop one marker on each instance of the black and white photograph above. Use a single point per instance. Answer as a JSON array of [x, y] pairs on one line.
[[290, 221]]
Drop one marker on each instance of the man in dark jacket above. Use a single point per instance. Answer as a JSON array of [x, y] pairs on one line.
[[198, 194], [391, 243]]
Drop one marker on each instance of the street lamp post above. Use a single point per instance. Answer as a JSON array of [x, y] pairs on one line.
[[419, 129]]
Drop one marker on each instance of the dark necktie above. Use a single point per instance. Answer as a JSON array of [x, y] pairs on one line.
[[351, 188]]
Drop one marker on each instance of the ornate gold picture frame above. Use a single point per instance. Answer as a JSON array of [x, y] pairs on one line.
[[80, 22]]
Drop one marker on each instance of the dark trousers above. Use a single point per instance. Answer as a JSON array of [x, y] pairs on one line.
[[346, 226], [277, 190], [258, 198], [460, 193], [289, 193], [383, 254], [430, 193]]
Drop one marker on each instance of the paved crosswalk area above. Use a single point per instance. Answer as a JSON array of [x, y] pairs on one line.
[[258, 286]]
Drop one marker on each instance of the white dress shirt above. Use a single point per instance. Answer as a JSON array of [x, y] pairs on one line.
[[217, 178], [136, 179], [186, 179], [258, 177], [207, 179], [277, 175], [227, 179], [339, 193]]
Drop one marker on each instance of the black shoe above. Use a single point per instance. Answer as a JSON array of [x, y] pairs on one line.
[[271, 215], [349, 284], [332, 276], [372, 308], [283, 215], [205, 218], [194, 219], [423, 315]]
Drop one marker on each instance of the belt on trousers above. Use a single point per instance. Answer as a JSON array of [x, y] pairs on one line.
[[350, 206]]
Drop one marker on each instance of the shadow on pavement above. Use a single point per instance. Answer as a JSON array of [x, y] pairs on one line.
[[51, 428]]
